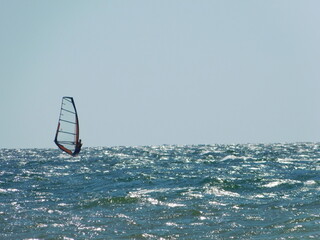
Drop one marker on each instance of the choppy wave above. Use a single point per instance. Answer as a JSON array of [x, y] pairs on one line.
[[252, 191]]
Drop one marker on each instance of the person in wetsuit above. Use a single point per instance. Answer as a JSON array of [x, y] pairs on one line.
[[78, 148]]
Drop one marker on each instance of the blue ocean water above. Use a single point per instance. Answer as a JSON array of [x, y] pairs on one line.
[[251, 191]]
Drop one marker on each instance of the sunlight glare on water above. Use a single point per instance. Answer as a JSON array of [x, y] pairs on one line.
[[262, 191]]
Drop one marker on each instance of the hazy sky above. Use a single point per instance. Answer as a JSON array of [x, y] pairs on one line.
[[160, 72]]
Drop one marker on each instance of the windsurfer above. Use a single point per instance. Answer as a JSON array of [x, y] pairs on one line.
[[78, 148]]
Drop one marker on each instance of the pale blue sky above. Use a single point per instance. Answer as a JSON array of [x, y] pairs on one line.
[[161, 72]]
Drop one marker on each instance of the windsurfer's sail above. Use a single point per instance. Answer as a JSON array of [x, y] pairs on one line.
[[67, 135]]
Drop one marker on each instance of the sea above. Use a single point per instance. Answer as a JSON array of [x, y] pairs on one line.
[[235, 191]]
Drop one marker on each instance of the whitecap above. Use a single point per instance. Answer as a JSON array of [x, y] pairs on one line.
[[8, 190], [217, 203], [220, 192], [310, 182], [286, 160], [172, 224], [229, 157], [272, 184], [279, 182], [174, 204]]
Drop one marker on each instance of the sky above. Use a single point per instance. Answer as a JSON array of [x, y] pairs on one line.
[[160, 72]]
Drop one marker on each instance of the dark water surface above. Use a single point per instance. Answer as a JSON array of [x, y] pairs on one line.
[[162, 192]]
